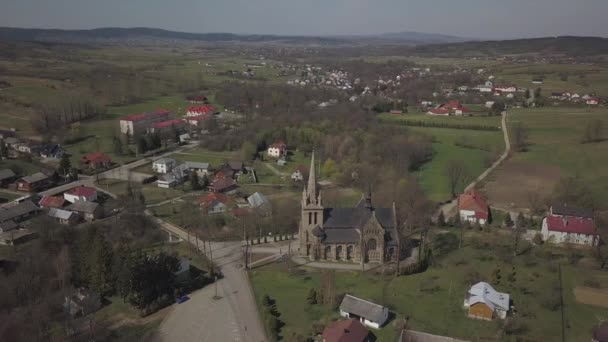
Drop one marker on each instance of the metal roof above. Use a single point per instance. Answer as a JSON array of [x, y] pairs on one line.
[[60, 214], [363, 308]]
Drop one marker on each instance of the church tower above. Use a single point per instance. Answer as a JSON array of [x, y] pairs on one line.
[[311, 221]]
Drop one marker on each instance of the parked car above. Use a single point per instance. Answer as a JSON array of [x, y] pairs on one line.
[[182, 299]]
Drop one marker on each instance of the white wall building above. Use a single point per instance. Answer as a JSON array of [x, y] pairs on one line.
[[163, 165], [368, 313]]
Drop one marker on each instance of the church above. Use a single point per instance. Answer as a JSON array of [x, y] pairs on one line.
[[361, 234]]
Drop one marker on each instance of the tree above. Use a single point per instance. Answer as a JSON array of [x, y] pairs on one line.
[[312, 296], [456, 172], [142, 145], [329, 168], [441, 219], [496, 276], [508, 221], [100, 276], [594, 132], [537, 92], [248, 151], [497, 108], [117, 145], [64, 164], [527, 94], [194, 181], [3, 149], [519, 136]]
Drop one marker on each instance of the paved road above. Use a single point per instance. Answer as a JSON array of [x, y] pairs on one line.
[[233, 318], [450, 208]]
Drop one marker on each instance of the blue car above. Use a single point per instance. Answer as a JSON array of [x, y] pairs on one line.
[[182, 299]]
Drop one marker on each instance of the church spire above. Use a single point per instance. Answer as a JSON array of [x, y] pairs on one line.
[[312, 180]]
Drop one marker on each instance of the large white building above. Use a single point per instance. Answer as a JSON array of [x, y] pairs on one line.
[[568, 224], [163, 165], [277, 150], [136, 124]]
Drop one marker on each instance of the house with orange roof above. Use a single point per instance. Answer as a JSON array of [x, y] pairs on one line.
[[473, 207]]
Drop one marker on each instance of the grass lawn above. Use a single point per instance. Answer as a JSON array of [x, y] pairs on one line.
[[432, 174], [25, 167], [433, 299], [202, 155], [493, 121], [555, 135], [266, 176], [176, 104], [152, 193]]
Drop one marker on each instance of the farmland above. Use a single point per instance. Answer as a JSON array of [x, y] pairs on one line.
[[555, 151]]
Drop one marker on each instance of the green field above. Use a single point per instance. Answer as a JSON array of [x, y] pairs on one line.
[[555, 139], [151, 192], [484, 121], [433, 299], [199, 154], [489, 146]]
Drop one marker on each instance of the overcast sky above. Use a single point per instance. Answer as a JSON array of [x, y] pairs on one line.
[[467, 18]]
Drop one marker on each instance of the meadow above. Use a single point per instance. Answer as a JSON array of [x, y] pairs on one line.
[[433, 299]]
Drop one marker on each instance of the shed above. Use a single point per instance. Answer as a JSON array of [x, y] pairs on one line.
[[368, 313]]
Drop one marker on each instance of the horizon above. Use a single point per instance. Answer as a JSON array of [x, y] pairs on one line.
[[487, 20]]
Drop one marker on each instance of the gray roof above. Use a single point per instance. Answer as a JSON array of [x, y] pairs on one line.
[[363, 308], [22, 208], [165, 161], [566, 210], [354, 217], [343, 235], [257, 200], [8, 225], [60, 214], [83, 207], [6, 174], [36, 177], [235, 165], [196, 165]]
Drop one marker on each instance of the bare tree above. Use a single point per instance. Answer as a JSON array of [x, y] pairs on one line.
[[457, 173]]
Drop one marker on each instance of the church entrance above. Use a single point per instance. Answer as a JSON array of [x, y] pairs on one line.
[[308, 250], [370, 249]]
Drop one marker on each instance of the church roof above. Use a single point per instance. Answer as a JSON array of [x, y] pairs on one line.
[[344, 235], [354, 217]]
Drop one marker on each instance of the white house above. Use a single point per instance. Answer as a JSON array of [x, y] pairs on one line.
[[570, 229], [163, 165], [483, 302], [297, 176], [489, 104], [368, 313], [81, 193], [276, 150], [200, 168], [473, 207], [485, 89]]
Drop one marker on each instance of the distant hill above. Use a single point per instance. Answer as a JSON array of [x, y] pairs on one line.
[[566, 45], [144, 34], [419, 37]]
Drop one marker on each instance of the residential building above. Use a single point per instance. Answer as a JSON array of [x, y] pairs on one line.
[[19, 212], [136, 124], [196, 99], [348, 330], [163, 165], [473, 207], [214, 203], [81, 193], [8, 226], [198, 120], [34, 182], [297, 176], [439, 111], [593, 101], [506, 88], [482, 301], [223, 185], [537, 81], [90, 211], [277, 150], [200, 110], [260, 203], [570, 229], [51, 151], [7, 176], [169, 180], [47, 202], [96, 161], [81, 303], [64, 217], [167, 128], [236, 166], [202, 169], [16, 237], [361, 234], [366, 312]]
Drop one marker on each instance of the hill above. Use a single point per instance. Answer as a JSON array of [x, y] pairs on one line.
[[566, 45]]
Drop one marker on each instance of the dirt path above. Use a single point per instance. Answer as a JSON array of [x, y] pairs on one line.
[[450, 208]]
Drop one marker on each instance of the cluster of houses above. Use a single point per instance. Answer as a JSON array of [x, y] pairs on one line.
[[566, 96], [453, 107], [17, 146], [563, 223], [217, 203]]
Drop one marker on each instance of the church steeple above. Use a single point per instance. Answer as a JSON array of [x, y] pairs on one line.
[[312, 180]]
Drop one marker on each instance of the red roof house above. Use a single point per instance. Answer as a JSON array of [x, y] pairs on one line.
[[198, 110], [168, 123], [96, 160], [346, 331], [439, 111], [51, 202], [81, 193], [222, 185], [570, 229], [204, 201], [145, 116], [452, 104], [473, 207]]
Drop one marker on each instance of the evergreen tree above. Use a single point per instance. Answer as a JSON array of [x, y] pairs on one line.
[[194, 181], [101, 277], [520, 221], [496, 276], [3, 149], [441, 219], [64, 165], [142, 145], [527, 94], [312, 296], [508, 221], [117, 145]]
